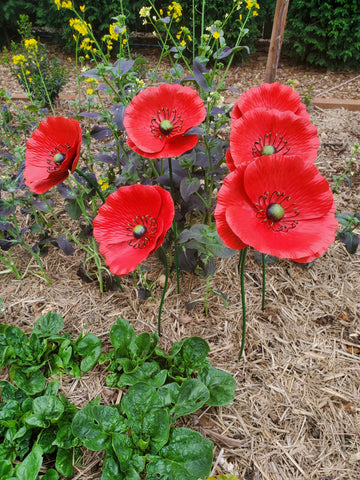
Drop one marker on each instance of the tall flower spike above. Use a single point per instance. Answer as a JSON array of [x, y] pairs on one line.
[[132, 224], [267, 132], [52, 153], [282, 207], [269, 96], [157, 120]]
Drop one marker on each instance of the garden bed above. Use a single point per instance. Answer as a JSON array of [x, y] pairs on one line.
[[296, 408]]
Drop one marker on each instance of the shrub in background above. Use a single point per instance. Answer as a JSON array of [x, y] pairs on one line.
[[324, 33], [40, 75]]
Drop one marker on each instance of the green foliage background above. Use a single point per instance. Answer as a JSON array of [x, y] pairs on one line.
[[324, 33]]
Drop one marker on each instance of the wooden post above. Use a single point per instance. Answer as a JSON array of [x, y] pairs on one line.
[[276, 40]]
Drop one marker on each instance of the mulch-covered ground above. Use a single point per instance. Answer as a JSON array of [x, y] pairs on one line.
[[296, 413]]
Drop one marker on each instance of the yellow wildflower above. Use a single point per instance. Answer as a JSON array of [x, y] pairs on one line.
[[216, 35], [80, 26], [82, 8], [89, 91], [67, 4], [183, 43], [31, 44], [18, 59], [104, 184], [57, 3], [175, 10], [124, 42]]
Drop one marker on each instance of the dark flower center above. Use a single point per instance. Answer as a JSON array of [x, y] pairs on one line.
[[166, 127], [139, 231], [270, 144], [142, 230], [277, 211], [57, 156], [167, 123]]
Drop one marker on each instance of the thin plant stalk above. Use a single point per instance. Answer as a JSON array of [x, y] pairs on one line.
[[263, 261], [243, 300], [164, 289], [174, 229]]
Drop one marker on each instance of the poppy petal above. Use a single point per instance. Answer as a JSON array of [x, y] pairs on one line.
[[270, 96], [149, 207], [288, 134], [180, 106]]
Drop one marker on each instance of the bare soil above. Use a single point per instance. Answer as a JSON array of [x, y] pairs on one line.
[[296, 413]]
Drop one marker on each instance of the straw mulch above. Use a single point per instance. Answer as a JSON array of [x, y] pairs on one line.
[[296, 413]]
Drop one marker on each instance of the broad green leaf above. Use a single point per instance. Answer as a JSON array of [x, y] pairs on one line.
[[90, 348], [140, 399], [32, 383], [111, 468], [50, 474], [148, 372], [169, 393], [193, 394], [187, 456], [10, 392], [6, 468], [52, 388], [122, 337], [127, 453], [48, 325], [191, 356], [48, 407], [64, 462], [145, 345], [18, 341], [45, 439], [94, 425], [221, 386], [29, 468]]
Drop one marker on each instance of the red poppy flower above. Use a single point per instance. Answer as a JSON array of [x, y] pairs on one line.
[[157, 120], [52, 153], [132, 224], [267, 132], [269, 96], [283, 208]]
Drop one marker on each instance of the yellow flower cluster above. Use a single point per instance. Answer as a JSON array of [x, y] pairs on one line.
[[184, 32], [113, 34], [18, 60], [252, 4], [80, 26], [175, 11], [104, 184], [31, 44], [63, 4], [86, 44]]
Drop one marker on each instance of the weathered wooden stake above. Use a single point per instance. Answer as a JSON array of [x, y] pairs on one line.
[[276, 40]]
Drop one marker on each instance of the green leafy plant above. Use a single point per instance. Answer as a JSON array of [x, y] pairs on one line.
[[39, 74], [138, 435], [324, 33]]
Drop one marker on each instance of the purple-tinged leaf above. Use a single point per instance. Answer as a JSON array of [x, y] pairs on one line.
[[89, 114], [165, 20], [65, 245], [105, 158], [118, 111], [92, 73], [188, 186], [6, 208], [7, 244], [120, 68], [65, 191], [99, 133], [224, 53], [200, 71], [42, 205]]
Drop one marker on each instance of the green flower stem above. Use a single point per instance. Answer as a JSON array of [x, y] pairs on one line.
[[263, 259], [174, 229], [242, 268], [164, 289], [11, 267], [90, 182], [208, 290]]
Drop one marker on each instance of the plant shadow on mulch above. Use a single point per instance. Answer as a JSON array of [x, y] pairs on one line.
[[296, 411]]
